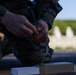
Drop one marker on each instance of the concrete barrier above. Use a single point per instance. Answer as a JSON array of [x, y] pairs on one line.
[[62, 42], [44, 69]]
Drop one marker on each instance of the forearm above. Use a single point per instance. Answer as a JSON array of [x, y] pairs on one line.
[[2, 12], [48, 10]]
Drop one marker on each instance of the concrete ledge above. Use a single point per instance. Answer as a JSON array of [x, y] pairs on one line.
[[25, 71], [58, 67], [44, 69]]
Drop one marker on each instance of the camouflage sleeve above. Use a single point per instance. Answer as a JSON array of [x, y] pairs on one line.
[[48, 10], [2, 12]]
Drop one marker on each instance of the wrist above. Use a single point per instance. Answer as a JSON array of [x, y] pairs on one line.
[[2, 12], [5, 17]]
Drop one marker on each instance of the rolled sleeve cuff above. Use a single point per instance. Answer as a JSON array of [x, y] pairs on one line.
[[50, 14]]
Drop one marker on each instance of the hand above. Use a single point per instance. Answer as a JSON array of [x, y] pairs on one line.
[[42, 27], [18, 24]]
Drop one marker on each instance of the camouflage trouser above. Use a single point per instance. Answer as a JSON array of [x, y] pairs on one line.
[[30, 52], [26, 49]]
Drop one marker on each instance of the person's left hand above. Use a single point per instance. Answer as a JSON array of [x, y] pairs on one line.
[[42, 27]]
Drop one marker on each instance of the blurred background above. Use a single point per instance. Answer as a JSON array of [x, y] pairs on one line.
[[62, 38], [63, 34]]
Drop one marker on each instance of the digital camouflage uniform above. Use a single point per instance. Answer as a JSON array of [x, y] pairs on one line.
[[26, 49]]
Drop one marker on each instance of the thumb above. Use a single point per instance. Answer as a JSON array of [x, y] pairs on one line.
[[40, 25]]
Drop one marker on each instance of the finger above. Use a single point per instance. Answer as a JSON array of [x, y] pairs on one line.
[[33, 28], [26, 30]]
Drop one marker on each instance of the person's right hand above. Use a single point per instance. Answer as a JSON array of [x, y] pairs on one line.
[[18, 24]]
